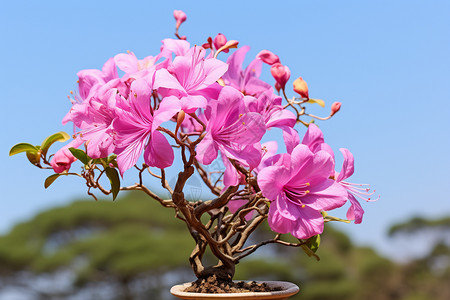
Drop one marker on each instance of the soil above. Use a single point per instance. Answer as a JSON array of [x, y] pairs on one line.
[[213, 285]]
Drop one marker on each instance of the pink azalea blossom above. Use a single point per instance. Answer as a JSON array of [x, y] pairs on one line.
[[191, 78], [233, 131], [133, 67], [90, 80], [63, 158], [269, 106], [137, 126], [247, 81], [300, 189]]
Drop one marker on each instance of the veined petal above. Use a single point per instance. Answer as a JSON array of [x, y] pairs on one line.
[[164, 79], [272, 179], [214, 69], [127, 62], [168, 107], [303, 223], [193, 102], [355, 212], [348, 166], [291, 138], [158, 152], [282, 118], [326, 195], [129, 155], [207, 150]]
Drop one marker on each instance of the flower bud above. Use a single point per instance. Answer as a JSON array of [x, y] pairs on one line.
[[277, 87], [180, 17], [335, 107], [63, 158], [268, 57], [219, 41], [301, 88], [281, 74]]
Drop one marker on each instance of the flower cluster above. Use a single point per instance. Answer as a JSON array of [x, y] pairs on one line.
[[221, 110]]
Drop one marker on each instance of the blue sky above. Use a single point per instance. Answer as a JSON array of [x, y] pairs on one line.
[[387, 61]]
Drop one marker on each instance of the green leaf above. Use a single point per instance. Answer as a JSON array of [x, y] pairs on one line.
[[114, 179], [313, 243], [318, 101], [57, 137], [50, 179], [309, 252], [81, 155], [22, 147]]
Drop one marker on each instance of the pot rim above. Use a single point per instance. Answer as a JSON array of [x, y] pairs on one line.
[[289, 289]]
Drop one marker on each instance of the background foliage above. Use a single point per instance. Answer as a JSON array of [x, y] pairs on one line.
[[134, 249]]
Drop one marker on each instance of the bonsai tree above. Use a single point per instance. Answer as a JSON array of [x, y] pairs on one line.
[[185, 102]]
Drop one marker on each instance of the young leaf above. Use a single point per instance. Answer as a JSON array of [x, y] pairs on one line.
[[114, 179], [313, 243], [81, 155], [22, 147], [57, 137], [318, 101], [309, 252], [50, 179]]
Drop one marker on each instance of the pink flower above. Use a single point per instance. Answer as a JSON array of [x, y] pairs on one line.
[[179, 16], [63, 158], [90, 80], [133, 67], [247, 81], [137, 126], [281, 74], [233, 131], [268, 105], [299, 187], [191, 78], [268, 57]]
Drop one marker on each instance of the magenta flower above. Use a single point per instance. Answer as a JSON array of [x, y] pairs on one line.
[[269, 106], [191, 78], [137, 126], [133, 67], [232, 130], [247, 81], [299, 187], [90, 80]]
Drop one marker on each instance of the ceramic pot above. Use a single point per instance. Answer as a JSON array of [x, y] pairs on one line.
[[289, 289]]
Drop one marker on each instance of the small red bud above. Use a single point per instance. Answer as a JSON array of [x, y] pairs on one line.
[[335, 107], [281, 74], [179, 16], [219, 41]]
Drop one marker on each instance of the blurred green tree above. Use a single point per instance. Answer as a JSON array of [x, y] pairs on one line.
[[134, 249]]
